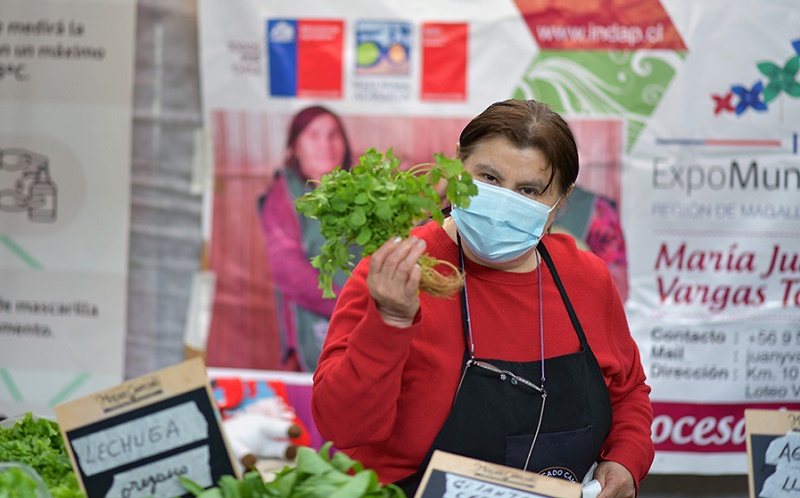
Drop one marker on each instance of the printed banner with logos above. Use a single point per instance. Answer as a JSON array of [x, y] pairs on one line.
[[712, 196], [66, 80], [685, 118]]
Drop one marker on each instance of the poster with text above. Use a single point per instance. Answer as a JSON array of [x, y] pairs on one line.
[[712, 197], [685, 117], [386, 77], [66, 81]]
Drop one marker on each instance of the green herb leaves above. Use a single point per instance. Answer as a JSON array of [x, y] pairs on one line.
[[376, 201], [315, 475]]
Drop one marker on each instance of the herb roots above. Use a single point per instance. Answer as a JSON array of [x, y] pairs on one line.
[[439, 284]]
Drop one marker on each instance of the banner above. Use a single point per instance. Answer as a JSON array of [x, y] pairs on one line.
[[713, 222], [684, 117], [387, 87], [66, 79]]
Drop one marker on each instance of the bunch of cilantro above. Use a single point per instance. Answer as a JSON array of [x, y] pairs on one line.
[[315, 475], [38, 444], [376, 201]]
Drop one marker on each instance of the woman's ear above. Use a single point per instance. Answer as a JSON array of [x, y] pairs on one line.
[[566, 195]]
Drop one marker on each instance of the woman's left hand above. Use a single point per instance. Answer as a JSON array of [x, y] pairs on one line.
[[615, 480]]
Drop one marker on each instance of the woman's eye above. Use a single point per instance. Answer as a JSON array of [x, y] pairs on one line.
[[489, 178], [529, 192]]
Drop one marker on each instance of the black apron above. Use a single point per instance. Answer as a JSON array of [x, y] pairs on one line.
[[494, 420]]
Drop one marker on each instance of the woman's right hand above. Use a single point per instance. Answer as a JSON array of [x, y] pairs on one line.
[[393, 280]]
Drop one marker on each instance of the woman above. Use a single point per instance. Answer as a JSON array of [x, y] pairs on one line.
[[402, 373], [316, 144]]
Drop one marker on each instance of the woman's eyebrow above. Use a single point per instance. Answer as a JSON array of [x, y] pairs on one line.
[[488, 168], [537, 183]]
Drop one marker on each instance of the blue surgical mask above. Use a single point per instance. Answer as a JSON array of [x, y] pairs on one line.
[[500, 225]]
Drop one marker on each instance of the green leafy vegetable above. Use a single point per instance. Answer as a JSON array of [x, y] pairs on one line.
[[315, 475], [38, 444], [16, 483], [376, 201]]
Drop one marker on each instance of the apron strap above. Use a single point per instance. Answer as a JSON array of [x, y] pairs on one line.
[[577, 325], [572, 315]]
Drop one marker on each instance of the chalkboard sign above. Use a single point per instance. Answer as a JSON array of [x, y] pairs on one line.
[[454, 476], [773, 453], [134, 440]]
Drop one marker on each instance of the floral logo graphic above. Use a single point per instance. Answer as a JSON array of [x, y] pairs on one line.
[[749, 98], [779, 80], [722, 103]]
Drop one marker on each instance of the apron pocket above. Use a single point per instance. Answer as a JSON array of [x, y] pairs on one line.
[[567, 455]]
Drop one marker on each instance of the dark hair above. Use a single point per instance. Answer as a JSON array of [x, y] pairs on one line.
[[527, 124], [299, 123]]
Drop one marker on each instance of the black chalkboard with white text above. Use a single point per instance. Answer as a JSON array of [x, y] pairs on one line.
[[133, 441], [773, 453]]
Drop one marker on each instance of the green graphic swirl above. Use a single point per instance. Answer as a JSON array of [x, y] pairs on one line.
[[626, 84]]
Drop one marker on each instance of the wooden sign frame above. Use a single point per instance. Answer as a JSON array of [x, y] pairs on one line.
[[133, 440], [448, 472], [776, 427]]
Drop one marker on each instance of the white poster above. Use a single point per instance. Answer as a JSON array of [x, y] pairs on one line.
[[66, 80], [686, 119], [712, 216], [406, 77]]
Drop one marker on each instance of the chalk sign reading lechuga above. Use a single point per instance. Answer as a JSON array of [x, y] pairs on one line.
[[136, 439], [773, 452], [455, 476]]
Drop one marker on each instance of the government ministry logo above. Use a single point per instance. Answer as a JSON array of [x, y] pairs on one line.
[[305, 58]]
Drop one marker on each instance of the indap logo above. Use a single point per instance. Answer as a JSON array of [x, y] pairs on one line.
[[703, 428]]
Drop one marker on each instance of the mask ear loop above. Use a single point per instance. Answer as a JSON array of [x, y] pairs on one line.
[[541, 345], [465, 315], [465, 298]]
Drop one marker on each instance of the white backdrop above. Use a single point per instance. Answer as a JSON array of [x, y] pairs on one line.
[[66, 74], [685, 114], [165, 233]]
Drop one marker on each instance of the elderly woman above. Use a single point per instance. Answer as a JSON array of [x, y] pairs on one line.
[[532, 366]]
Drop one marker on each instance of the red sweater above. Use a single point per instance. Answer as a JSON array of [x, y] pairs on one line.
[[382, 393]]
